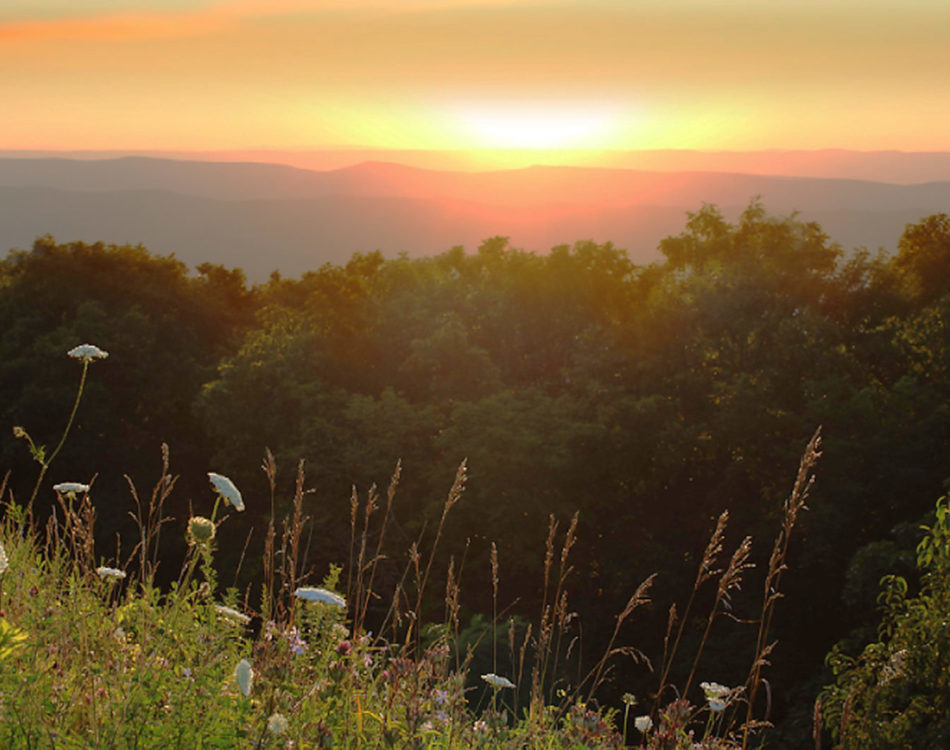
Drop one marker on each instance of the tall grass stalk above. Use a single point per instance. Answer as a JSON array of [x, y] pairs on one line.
[[795, 503], [706, 571], [149, 520]]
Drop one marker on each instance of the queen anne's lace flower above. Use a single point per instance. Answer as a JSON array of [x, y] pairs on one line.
[[717, 696], [200, 529], [643, 723], [714, 689], [67, 487], [232, 614], [226, 489], [277, 723], [4, 562], [87, 352], [244, 674], [110, 572], [312, 594], [497, 681]]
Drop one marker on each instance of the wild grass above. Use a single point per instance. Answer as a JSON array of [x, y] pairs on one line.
[[94, 654]]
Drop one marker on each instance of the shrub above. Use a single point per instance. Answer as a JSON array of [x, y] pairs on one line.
[[896, 692]]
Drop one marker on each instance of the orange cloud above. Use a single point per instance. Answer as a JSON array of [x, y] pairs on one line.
[[118, 26], [136, 24]]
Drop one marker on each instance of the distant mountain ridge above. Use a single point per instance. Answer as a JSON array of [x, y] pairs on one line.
[[265, 217], [900, 167]]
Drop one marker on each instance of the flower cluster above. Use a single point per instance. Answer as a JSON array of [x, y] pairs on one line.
[[71, 488], [497, 681], [87, 352], [226, 490], [244, 675], [717, 696], [200, 529], [312, 594], [296, 644], [232, 614], [277, 723], [105, 572]]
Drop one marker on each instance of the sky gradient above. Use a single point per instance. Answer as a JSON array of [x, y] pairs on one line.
[[455, 74]]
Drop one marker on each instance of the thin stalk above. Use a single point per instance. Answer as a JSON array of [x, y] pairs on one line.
[[455, 494], [731, 580], [639, 598], [704, 573], [45, 463], [770, 595], [390, 494], [494, 617]]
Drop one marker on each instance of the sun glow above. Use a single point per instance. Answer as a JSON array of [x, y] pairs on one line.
[[536, 128]]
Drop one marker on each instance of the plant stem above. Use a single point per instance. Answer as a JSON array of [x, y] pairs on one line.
[[44, 463]]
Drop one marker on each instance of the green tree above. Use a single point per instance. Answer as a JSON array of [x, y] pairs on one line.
[[165, 330]]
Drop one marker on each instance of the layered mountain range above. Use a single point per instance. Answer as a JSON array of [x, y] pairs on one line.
[[265, 217]]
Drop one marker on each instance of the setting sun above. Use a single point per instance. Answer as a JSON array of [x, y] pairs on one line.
[[542, 128], [329, 74]]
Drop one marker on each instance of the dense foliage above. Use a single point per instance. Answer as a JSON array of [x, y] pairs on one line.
[[896, 691], [649, 399]]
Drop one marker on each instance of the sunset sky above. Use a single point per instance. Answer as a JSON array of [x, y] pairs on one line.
[[465, 74]]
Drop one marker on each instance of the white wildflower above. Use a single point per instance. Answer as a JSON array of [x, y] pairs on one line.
[[232, 614], [4, 562], [277, 723], [643, 723], [244, 674], [714, 689], [226, 489], [87, 352], [71, 487], [497, 681], [312, 594], [717, 705], [110, 572]]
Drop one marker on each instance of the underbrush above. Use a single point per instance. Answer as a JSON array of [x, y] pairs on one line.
[[94, 654]]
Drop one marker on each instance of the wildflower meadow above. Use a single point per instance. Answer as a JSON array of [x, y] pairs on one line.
[[95, 653]]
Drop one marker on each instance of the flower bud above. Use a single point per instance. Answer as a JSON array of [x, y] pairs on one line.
[[200, 529]]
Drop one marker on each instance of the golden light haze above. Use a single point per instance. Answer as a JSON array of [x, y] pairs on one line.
[[477, 74]]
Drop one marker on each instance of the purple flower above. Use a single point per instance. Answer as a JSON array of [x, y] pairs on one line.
[[297, 644]]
